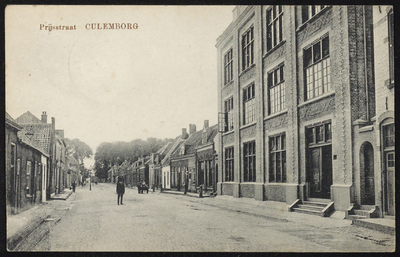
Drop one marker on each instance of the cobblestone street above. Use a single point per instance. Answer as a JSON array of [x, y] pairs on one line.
[[92, 221]]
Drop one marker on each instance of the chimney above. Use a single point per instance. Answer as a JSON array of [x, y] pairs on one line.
[[53, 124], [192, 128], [184, 133], [44, 117], [205, 124]]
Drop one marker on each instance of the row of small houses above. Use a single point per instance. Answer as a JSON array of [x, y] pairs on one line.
[[190, 159], [37, 167]]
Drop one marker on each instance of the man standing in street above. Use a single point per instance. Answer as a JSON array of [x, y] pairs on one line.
[[120, 190]]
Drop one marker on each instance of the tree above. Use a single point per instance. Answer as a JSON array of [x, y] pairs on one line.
[[109, 154], [78, 149]]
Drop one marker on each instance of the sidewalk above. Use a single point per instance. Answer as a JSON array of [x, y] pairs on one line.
[[22, 224], [278, 211]]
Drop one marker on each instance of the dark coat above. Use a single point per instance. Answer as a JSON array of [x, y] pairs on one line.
[[120, 188]]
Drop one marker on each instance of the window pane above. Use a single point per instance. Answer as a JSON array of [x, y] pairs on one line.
[[283, 166], [325, 47], [307, 57], [317, 52]]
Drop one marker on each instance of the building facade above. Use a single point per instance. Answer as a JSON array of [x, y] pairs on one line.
[[384, 126], [296, 104], [26, 169]]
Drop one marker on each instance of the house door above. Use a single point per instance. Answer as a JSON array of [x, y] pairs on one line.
[[368, 168], [200, 175], [390, 180], [320, 172]]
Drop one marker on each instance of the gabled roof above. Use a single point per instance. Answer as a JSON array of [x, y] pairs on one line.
[[28, 118], [39, 134], [26, 140], [211, 133], [195, 140], [11, 122], [171, 148], [163, 149], [72, 160]]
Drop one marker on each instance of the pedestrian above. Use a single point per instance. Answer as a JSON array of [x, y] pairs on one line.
[[120, 190], [73, 186]]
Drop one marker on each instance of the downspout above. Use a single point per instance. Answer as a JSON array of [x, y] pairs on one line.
[[365, 65]]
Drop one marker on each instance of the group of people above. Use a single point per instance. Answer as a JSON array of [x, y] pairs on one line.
[[121, 189]]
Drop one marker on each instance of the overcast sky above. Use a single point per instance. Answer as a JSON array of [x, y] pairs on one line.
[[115, 85]]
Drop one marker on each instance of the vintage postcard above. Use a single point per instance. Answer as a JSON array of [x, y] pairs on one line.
[[257, 128]]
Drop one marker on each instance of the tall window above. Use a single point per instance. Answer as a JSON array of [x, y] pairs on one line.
[[309, 11], [317, 67], [29, 184], [248, 104], [229, 114], [274, 26], [391, 47], [229, 173], [247, 48], [319, 133], [228, 67], [388, 136], [277, 158], [249, 161], [276, 88]]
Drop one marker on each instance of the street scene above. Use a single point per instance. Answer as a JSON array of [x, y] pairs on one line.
[[262, 128], [177, 222]]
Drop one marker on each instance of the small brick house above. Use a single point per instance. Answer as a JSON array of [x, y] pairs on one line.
[[26, 168]]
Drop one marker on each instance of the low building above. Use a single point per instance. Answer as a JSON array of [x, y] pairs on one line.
[[206, 153], [26, 168], [165, 162]]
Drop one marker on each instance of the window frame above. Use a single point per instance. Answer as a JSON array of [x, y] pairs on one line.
[[228, 66], [229, 164], [274, 21], [249, 104], [310, 11], [317, 68], [278, 88], [386, 128], [29, 189], [249, 161], [228, 114], [276, 150], [248, 48], [322, 138]]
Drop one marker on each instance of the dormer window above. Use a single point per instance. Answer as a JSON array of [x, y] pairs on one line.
[[182, 151]]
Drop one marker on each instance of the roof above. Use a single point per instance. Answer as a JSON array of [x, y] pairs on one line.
[[28, 118], [212, 132], [171, 147], [195, 140], [72, 160], [26, 140], [39, 134], [163, 149], [10, 121]]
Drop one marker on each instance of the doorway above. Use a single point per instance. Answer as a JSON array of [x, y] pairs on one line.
[[367, 174], [390, 180], [319, 160]]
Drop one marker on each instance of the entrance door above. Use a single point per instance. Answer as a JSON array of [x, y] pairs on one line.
[[320, 171], [390, 179], [200, 175], [368, 168]]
